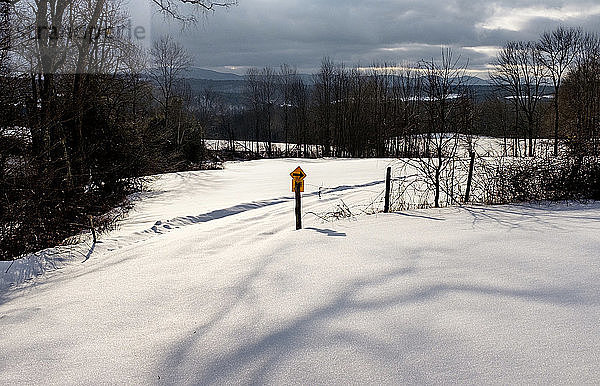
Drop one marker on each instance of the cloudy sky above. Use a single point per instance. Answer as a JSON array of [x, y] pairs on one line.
[[300, 32]]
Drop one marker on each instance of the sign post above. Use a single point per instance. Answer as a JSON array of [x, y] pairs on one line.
[[298, 206], [298, 176], [388, 180]]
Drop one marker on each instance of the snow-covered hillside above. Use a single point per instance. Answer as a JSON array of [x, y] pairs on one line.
[[206, 281]]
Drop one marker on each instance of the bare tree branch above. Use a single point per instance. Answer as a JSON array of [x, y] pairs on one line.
[[170, 8]]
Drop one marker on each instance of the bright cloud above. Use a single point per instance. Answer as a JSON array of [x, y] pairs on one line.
[[515, 19]]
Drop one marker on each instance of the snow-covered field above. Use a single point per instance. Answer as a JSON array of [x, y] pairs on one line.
[[484, 146], [206, 281]]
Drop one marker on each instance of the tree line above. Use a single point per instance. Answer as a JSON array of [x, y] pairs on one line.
[[351, 112], [545, 89]]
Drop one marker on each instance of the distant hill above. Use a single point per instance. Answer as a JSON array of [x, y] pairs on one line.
[[230, 90], [465, 81], [202, 73], [230, 86], [475, 81]]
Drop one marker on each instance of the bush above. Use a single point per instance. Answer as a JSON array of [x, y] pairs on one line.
[[546, 179]]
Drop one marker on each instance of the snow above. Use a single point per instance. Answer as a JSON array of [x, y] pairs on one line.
[[207, 282]]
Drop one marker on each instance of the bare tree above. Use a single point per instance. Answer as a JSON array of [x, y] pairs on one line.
[[323, 95], [267, 97], [170, 61], [581, 94], [299, 97], [287, 75], [252, 96], [407, 96], [494, 117], [558, 50], [519, 70], [507, 78], [184, 120], [444, 94]]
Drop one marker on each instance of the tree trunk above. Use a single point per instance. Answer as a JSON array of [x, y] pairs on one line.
[[556, 123], [438, 170]]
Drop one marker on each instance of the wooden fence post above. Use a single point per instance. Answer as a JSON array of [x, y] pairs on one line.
[[388, 183], [470, 178]]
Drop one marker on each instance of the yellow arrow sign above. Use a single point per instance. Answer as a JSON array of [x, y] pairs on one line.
[[298, 174], [300, 185]]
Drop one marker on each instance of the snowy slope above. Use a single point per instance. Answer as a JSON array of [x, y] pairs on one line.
[[182, 199], [206, 282]]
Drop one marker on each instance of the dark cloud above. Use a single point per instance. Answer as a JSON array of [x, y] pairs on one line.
[[271, 32]]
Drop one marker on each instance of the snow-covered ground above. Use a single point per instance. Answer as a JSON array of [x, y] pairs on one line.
[[206, 281]]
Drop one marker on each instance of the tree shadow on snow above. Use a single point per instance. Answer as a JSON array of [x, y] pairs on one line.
[[255, 359], [418, 216], [328, 232], [89, 253], [516, 216]]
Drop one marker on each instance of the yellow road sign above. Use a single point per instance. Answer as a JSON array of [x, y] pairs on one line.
[[298, 174], [294, 185]]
